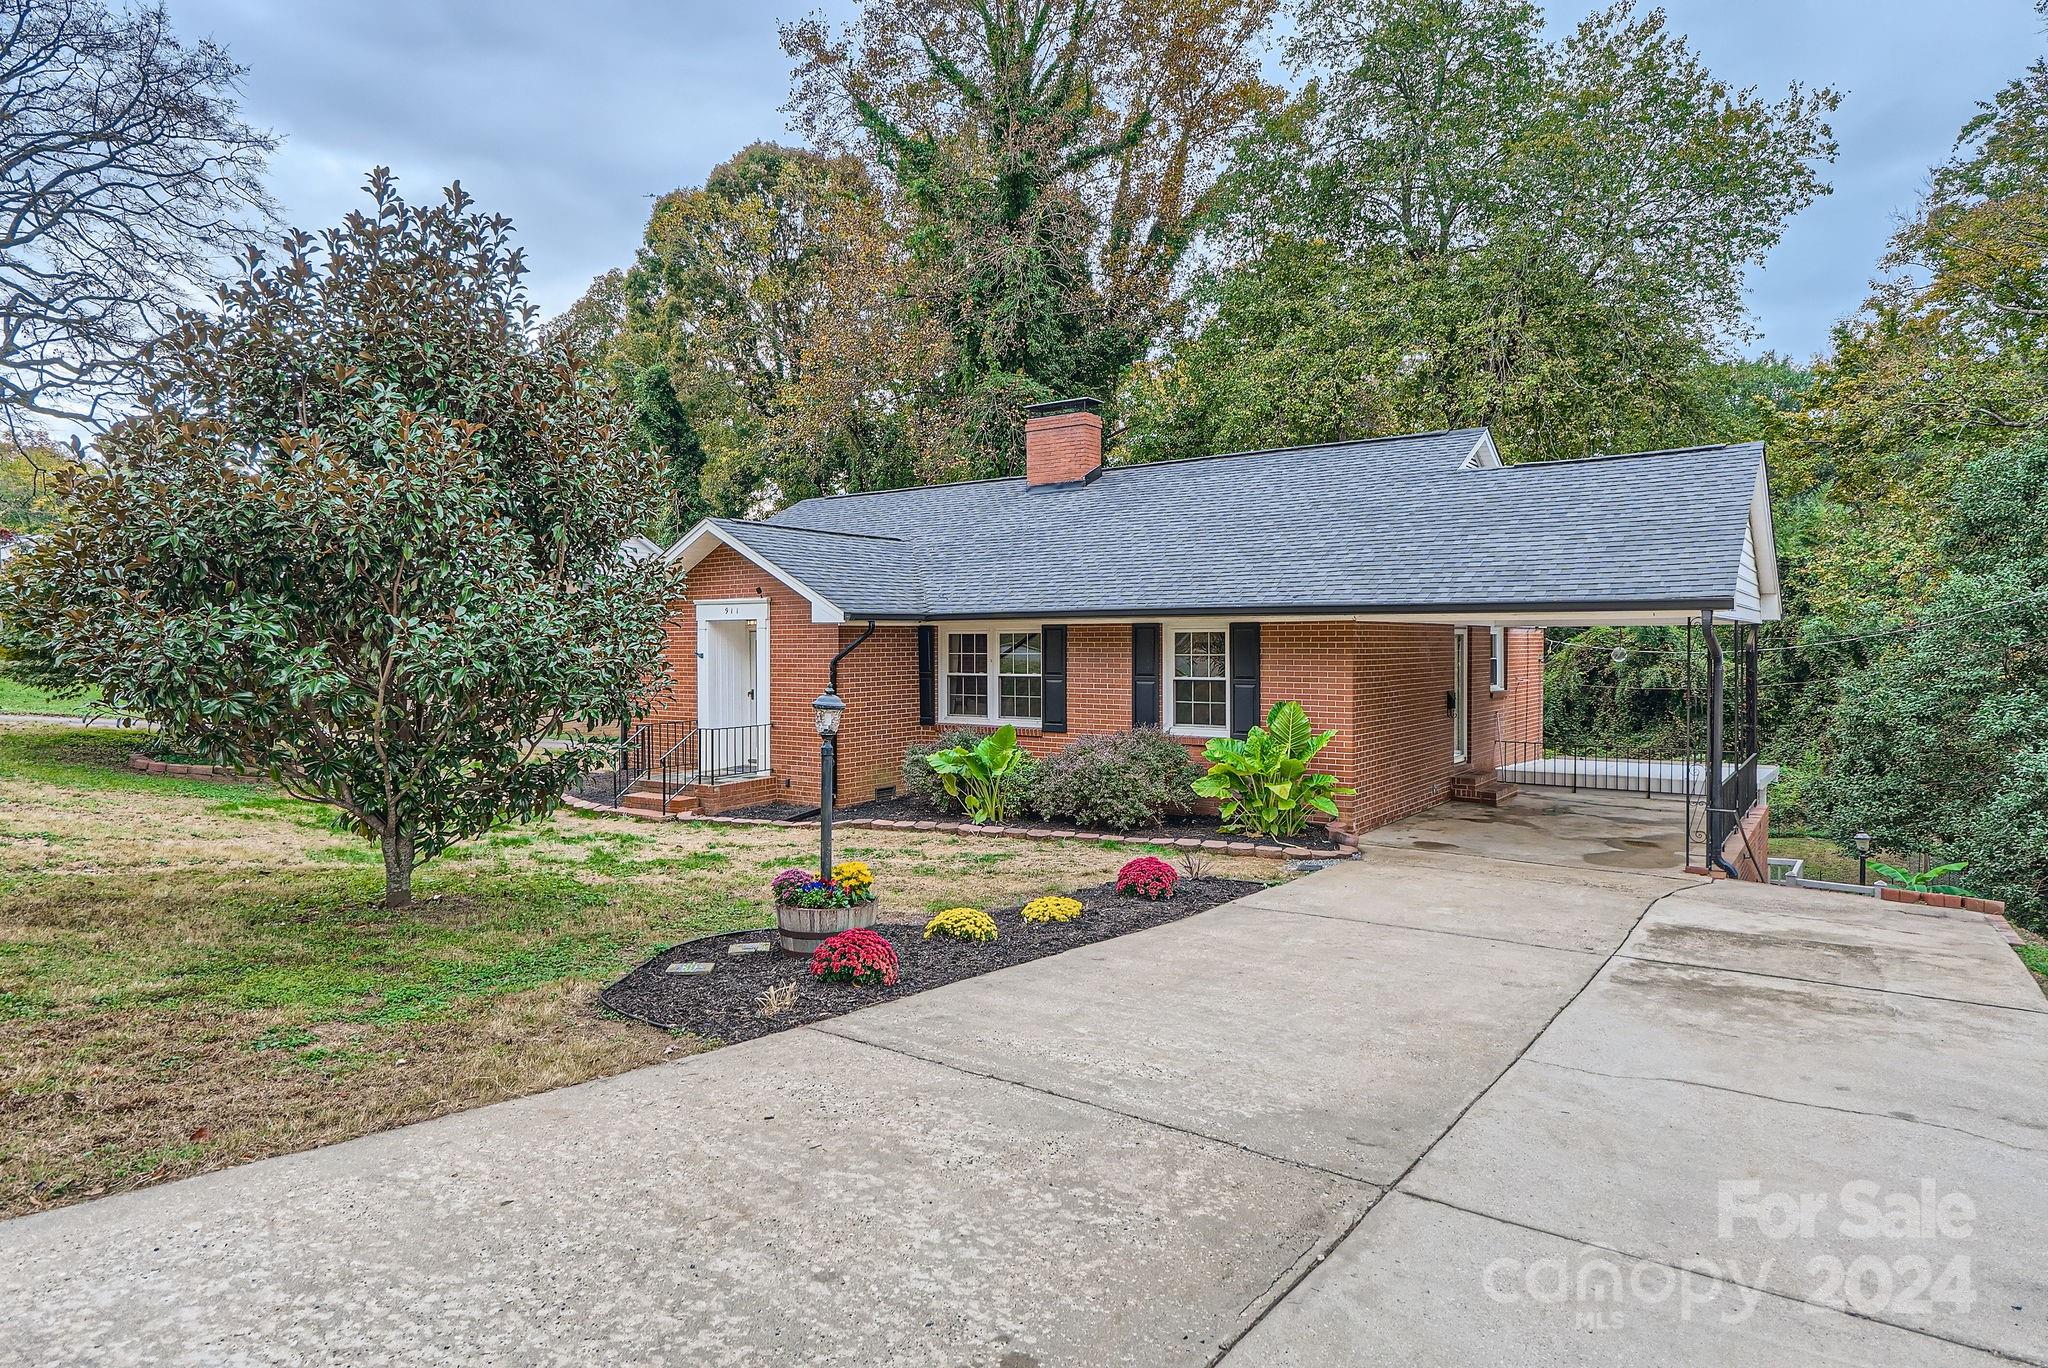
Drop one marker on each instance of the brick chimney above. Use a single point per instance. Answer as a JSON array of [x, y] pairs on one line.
[[1062, 442]]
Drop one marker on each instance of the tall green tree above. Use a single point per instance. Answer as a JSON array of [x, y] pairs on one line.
[[1053, 161], [776, 304], [1459, 222], [662, 427], [1941, 744], [33, 469], [1947, 360], [363, 534]]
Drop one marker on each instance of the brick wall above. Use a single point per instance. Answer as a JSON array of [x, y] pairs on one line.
[[1098, 689], [879, 684], [798, 650], [1379, 685], [1515, 715], [1404, 731]]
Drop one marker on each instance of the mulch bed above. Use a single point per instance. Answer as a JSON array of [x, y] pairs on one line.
[[773, 812], [721, 1005]]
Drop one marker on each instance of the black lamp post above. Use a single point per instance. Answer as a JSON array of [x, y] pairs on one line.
[[1862, 840], [828, 708]]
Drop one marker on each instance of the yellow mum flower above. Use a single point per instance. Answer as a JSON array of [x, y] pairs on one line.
[[1051, 910], [854, 876], [962, 923]]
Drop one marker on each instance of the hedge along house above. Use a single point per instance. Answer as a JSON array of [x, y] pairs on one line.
[[1396, 587]]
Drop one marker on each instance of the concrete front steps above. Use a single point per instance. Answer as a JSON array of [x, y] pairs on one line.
[[1480, 786]]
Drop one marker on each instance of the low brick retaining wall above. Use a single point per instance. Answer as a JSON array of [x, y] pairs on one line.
[[1264, 850], [139, 761]]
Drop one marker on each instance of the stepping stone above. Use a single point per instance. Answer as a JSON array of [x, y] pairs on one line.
[[690, 967], [748, 947]]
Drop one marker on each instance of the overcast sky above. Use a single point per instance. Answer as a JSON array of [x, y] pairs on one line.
[[569, 117]]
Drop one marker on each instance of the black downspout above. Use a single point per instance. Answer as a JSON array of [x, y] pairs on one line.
[[832, 673]]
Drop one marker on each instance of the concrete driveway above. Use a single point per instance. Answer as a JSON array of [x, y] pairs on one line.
[[1424, 1108]]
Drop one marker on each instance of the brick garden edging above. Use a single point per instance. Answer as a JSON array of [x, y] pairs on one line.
[[1263, 850], [1991, 909], [1347, 844], [143, 764]]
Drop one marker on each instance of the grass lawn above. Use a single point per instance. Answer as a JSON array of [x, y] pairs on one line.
[[1824, 859], [196, 973], [16, 697]]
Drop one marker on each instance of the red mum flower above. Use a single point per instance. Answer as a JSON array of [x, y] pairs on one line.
[[1148, 876], [859, 956]]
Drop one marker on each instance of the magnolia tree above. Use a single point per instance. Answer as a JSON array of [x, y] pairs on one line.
[[363, 534]]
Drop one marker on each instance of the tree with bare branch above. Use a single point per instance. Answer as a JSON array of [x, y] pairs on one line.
[[126, 175]]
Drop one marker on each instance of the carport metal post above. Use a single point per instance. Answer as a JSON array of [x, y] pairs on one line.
[[1715, 835]]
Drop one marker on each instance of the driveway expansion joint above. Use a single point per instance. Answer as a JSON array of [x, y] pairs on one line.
[[1834, 983], [1223, 1351], [1774, 1295], [1376, 1189], [1790, 1102], [1253, 901]]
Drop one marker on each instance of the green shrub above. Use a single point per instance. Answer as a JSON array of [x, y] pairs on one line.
[[1117, 782], [1264, 783], [920, 780]]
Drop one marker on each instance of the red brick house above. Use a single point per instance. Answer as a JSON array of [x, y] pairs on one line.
[[1396, 587]]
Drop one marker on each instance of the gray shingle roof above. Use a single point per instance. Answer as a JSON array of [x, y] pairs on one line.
[[1388, 525]]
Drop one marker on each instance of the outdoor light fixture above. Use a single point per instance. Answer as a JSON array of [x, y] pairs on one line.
[[1862, 840], [828, 709]]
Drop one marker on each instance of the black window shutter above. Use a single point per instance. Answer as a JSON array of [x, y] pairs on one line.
[[1053, 652], [1144, 674], [1244, 678], [927, 675]]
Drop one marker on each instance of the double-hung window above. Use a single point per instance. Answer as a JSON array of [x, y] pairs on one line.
[[1201, 680], [995, 677], [1497, 660]]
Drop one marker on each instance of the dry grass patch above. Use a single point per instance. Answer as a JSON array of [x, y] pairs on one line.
[[196, 973]]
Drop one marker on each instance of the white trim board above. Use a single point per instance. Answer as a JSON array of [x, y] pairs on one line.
[[700, 541]]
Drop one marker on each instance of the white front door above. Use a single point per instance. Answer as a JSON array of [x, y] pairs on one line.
[[730, 681], [1461, 714], [732, 686]]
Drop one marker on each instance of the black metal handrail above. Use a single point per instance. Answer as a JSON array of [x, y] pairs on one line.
[[722, 753], [642, 750], [1739, 792], [1527, 762], [675, 756]]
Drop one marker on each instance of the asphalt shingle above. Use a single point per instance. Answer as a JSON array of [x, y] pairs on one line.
[[1394, 524]]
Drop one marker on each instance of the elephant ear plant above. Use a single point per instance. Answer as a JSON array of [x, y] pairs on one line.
[[987, 778], [1935, 880], [1264, 783]]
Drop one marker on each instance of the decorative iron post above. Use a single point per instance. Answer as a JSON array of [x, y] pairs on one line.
[[1752, 657], [1717, 833]]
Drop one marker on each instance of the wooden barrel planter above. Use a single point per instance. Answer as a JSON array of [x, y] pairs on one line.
[[800, 930]]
